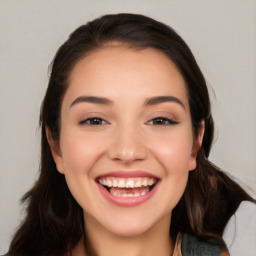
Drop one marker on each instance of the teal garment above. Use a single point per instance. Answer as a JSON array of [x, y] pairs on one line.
[[195, 246]]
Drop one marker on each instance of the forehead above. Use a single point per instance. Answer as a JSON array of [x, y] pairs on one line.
[[118, 70]]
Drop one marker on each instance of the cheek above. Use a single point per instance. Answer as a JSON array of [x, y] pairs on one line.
[[174, 155], [174, 152], [175, 162], [79, 155], [79, 152]]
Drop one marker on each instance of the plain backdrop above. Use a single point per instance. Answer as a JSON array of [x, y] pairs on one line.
[[221, 34]]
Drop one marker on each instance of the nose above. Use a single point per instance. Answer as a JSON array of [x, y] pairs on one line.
[[127, 146]]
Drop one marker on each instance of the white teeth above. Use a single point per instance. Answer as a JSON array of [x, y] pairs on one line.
[[138, 184], [121, 183], [136, 194], [144, 183], [151, 182], [115, 183], [127, 182], [109, 183]]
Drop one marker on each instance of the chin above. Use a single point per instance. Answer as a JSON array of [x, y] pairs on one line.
[[130, 230], [131, 225]]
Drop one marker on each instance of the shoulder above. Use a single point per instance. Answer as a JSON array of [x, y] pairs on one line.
[[240, 231]]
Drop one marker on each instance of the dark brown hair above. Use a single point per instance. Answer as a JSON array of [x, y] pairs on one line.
[[54, 222]]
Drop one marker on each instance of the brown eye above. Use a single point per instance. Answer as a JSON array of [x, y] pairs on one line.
[[162, 121], [93, 121]]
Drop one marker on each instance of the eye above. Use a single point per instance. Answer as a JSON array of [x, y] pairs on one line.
[[162, 121], [93, 121]]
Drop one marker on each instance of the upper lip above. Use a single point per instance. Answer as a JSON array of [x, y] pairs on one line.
[[128, 174]]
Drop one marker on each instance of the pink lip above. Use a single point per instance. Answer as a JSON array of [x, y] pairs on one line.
[[127, 201], [127, 174]]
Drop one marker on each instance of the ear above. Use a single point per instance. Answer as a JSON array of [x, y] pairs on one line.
[[196, 146], [56, 151]]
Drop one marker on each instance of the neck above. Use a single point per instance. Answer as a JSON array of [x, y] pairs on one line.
[[101, 242]]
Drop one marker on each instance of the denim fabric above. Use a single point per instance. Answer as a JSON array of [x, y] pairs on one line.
[[195, 246]]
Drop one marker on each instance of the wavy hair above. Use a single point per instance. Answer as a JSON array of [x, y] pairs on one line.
[[54, 221]]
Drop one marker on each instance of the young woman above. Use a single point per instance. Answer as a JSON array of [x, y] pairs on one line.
[[126, 133]]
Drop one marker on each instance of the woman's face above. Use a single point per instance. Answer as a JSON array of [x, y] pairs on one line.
[[126, 141]]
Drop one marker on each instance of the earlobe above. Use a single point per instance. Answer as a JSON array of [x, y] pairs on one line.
[[55, 150], [196, 146]]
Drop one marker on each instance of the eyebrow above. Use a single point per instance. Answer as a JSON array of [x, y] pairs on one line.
[[92, 99], [105, 101], [162, 99]]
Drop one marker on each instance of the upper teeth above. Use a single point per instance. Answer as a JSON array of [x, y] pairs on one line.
[[127, 182]]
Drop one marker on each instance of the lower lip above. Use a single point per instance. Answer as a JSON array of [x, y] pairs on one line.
[[127, 201]]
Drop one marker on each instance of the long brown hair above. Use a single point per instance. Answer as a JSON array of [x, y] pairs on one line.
[[54, 222]]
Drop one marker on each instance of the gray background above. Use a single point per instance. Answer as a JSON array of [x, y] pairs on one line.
[[221, 34]]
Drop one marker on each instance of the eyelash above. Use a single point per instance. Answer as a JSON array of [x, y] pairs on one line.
[[97, 121], [165, 120]]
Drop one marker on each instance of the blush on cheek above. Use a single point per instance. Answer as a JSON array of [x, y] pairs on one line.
[[78, 156], [175, 158]]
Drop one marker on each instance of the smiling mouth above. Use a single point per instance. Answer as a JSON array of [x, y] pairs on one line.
[[127, 187]]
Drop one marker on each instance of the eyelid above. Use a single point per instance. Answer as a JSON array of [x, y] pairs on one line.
[[163, 114], [169, 117]]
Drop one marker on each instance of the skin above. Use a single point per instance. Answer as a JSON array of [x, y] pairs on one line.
[[128, 139]]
